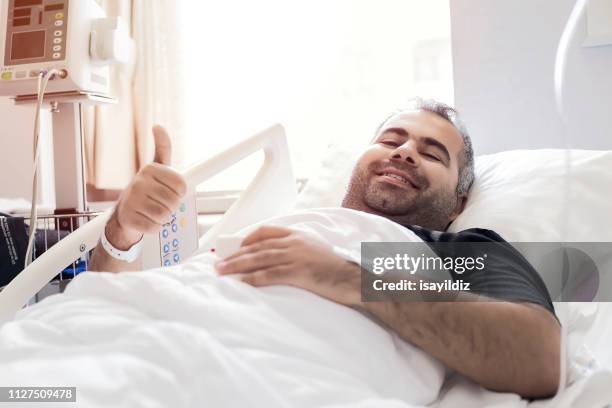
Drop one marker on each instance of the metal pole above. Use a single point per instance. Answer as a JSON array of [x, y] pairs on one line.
[[68, 159]]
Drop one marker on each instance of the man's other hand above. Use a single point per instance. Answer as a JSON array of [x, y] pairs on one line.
[[147, 203], [281, 256]]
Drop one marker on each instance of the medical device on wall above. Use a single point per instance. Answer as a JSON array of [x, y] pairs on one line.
[[67, 46], [49, 34], [71, 36], [57, 53]]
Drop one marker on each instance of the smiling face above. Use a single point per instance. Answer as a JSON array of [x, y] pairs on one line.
[[409, 173]]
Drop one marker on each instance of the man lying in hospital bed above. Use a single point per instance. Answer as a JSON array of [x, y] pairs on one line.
[[184, 334]]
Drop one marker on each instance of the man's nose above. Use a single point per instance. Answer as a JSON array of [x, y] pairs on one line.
[[406, 152]]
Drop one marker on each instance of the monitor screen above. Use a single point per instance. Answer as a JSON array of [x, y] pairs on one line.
[[29, 44], [22, 12], [25, 3]]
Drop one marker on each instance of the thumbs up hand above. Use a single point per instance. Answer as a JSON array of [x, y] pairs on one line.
[[163, 146], [147, 203]]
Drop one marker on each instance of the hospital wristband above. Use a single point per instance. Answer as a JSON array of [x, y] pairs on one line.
[[125, 256]]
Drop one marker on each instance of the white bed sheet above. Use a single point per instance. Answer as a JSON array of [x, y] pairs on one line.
[[599, 336], [184, 337]]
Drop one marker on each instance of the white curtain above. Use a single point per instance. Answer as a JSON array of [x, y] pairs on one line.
[[118, 139], [157, 85]]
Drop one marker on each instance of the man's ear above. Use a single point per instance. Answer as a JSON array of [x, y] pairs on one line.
[[461, 201]]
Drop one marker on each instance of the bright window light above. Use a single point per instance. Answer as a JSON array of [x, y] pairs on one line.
[[329, 70]]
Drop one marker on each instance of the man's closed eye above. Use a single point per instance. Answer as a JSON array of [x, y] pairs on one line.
[[432, 157]]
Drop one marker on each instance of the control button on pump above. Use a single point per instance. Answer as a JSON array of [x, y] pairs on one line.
[[59, 15], [34, 73], [59, 23], [57, 33], [56, 55], [57, 41], [57, 47], [7, 75]]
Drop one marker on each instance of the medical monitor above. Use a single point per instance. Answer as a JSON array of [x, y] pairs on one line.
[[44, 34]]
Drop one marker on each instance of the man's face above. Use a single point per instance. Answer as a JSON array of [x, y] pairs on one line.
[[410, 172]]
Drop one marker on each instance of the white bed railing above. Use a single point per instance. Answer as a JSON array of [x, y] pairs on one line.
[[271, 192]]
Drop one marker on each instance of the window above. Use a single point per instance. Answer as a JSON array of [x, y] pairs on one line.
[[329, 70]]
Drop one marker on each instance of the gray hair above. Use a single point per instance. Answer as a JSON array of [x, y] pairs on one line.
[[466, 164]]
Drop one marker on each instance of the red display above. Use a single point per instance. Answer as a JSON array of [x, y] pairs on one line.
[[51, 7], [21, 21], [25, 3], [22, 12], [29, 44]]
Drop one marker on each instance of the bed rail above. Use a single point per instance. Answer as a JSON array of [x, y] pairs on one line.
[[274, 179]]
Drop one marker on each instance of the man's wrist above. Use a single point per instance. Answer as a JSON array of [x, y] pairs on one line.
[[119, 237], [352, 275]]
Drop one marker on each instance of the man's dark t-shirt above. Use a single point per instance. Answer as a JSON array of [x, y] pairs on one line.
[[507, 276]]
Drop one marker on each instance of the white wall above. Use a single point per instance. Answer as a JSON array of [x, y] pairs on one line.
[[504, 54]]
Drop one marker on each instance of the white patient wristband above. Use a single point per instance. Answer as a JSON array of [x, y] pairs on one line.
[[126, 256]]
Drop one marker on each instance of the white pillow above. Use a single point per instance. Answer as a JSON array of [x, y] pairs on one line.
[[326, 188], [523, 196]]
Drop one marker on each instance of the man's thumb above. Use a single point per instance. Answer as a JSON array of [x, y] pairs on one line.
[[163, 146]]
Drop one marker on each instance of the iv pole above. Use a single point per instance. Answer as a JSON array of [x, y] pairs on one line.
[[68, 149]]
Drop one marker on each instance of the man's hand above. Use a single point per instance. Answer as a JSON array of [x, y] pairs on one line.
[[144, 206], [281, 256]]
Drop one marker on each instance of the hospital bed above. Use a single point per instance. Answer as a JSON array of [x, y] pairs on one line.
[[547, 195], [519, 194]]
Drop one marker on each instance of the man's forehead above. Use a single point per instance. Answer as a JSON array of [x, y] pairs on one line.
[[400, 116], [421, 123]]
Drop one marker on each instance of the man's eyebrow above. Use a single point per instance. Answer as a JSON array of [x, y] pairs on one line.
[[397, 131], [430, 141]]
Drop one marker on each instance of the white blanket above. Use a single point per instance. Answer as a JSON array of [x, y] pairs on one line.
[[184, 337]]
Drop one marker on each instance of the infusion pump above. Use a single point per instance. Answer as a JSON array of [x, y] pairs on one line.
[[71, 36]]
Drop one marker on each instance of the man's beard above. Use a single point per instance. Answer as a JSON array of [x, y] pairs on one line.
[[407, 206]]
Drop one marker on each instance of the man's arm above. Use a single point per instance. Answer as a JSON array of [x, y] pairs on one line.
[[504, 346], [144, 206]]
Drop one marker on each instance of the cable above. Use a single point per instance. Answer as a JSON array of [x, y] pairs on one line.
[[569, 32], [43, 80]]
